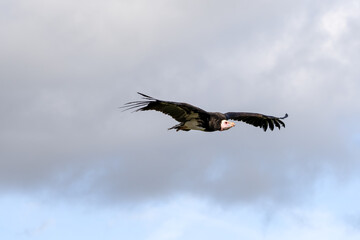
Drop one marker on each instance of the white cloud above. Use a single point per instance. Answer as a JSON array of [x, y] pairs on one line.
[[65, 67], [69, 65], [335, 21]]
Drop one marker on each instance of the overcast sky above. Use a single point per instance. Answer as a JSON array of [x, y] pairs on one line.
[[69, 156]]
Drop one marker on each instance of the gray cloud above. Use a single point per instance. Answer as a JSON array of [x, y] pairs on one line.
[[66, 67]]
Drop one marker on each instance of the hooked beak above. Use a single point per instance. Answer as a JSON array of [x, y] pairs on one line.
[[232, 124]]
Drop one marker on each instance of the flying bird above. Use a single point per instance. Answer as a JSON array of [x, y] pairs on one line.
[[194, 118]]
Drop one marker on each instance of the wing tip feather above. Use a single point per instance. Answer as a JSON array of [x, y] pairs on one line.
[[286, 115], [146, 96], [140, 105]]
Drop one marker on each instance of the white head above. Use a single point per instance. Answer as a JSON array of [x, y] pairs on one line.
[[225, 125]]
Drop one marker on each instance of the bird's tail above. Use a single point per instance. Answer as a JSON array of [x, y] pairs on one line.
[[178, 127]]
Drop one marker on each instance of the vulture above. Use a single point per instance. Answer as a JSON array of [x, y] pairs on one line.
[[194, 118]]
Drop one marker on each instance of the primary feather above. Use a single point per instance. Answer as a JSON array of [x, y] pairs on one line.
[[257, 120]]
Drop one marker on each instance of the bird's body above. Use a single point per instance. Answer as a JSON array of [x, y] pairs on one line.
[[208, 122], [194, 118]]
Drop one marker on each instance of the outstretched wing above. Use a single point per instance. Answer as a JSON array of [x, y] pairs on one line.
[[257, 119], [181, 112]]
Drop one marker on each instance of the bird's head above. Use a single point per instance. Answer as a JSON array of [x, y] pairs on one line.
[[225, 125]]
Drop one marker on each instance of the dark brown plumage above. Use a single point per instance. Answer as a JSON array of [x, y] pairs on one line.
[[194, 118]]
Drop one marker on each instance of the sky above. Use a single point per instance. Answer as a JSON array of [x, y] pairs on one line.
[[73, 165]]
